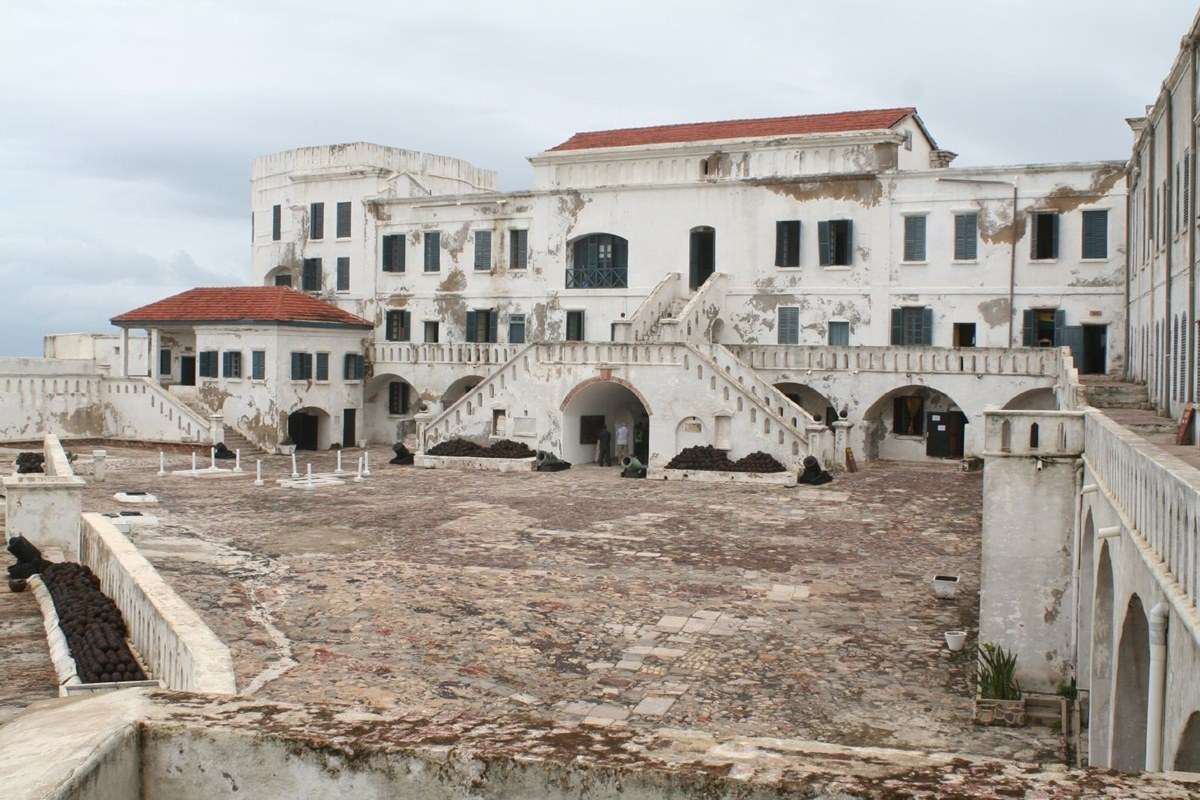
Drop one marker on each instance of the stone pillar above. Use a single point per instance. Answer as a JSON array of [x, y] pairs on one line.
[[422, 419], [841, 441], [123, 361], [152, 364], [99, 468], [217, 424], [45, 510], [820, 442]]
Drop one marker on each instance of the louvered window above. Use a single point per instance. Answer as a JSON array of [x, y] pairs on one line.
[[1044, 243], [258, 364], [1095, 234], [397, 327], [354, 367], [433, 251], [312, 278], [276, 222], [393, 253], [787, 243], [835, 242], [316, 221], [912, 325], [966, 237], [914, 237], [343, 274], [322, 366], [518, 256], [302, 366], [398, 397], [483, 250], [231, 366], [343, 220], [207, 365], [789, 326]]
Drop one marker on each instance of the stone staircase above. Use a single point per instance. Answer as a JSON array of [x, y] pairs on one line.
[[236, 441], [672, 312], [1129, 404]]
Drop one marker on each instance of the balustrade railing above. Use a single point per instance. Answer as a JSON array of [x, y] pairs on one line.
[[977, 361], [597, 278]]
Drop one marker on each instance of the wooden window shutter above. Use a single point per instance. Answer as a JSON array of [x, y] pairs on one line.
[[897, 326], [1095, 234], [1054, 235], [824, 244], [965, 237], [1060, 322], [788, 327], [518, 249], [493, 324], [781, 244], [389, 250], [433, 251], [1033, 236], [914, 238], [1027, 327], [343, 274], [316, 221], [471, 322], [927, 326], [483, 250], [276, 222], [343, 220]]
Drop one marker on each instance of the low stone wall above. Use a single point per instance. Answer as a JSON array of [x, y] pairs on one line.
[[44, 507], [465, 462], [714, 476], [180, 650]]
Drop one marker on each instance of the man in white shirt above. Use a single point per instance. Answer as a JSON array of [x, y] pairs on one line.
[[622, 441]]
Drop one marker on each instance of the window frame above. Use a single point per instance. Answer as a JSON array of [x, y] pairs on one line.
[[514, 320], [605, 264], [917, 427], [579, 314], [437, 331], [788, 248], [779, 324], [321, 360], [316, 221], [908, 217], [1083, 234], [398, 251], [231, 361], [258, 365], [432, 243], [320, 275], [955, 258], [339, 284], [343, 206], [404, 398], [518, 243], [843, 324], [1035, 237], [207, 364], [402, 327], [304, 359], [826, 243], [276, 222], [482, 257], [354, 367]]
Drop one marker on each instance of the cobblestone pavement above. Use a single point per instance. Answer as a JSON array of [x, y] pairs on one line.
[[745, 611]]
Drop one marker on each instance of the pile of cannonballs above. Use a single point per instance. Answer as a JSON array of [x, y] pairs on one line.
[[92, 624]]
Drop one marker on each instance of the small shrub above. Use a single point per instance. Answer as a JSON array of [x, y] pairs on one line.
[[997, 673]]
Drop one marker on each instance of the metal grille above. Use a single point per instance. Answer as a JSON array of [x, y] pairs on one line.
[[596, 278]]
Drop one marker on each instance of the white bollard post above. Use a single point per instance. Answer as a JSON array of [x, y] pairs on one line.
[[338, 470], [98, 468], [162, 463], [309, 484], [237, 460], [366, 463], [258, 481], [193, 463], [212, 458], [295, 472], [358, 473]]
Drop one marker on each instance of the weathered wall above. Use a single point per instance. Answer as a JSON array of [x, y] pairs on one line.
[[44, 507]]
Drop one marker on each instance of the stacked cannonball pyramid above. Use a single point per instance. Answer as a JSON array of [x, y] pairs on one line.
[[92, 624]]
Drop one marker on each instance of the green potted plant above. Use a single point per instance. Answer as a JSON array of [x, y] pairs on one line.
[[999, 700]]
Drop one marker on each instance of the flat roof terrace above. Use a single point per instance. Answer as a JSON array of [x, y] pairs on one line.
[[741, 611]]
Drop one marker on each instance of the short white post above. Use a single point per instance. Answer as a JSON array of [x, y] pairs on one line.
[[193, 463], [309, 484], [98, 468], [366, 463], [295, 472], [237, 460], [162, 463], [212, 458], [358, 474], [338, 470], [258, 481]]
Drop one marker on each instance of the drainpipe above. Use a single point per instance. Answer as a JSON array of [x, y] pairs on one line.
[[1169, 203], [1012, 270], [1191, 229], [1130, 261], [1158, 685]]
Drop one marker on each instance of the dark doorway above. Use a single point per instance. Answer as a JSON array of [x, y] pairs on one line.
[[944, 434], [187, 370], [964, 334], [348, 420], [1095, 349], [703, 256], [302, 430]]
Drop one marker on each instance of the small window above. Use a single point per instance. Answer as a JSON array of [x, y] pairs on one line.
[[283, 279], [276, 223], [1095, 234], [431, 332], [164, 361], [787, 243], [397, 398], [575, 329], [516, 329], [912, 326], [966, 237], [343, 220], [964, 334], [393, 253], [481, 325], [914, 237], [312, 278], [518, 249], [302, 366], [433, 251], [499, 422], [316, 221], [908, 416], [1044, 246], [789, 326], [836, 239], [231, 366], [1044, 327], [483, 250], [354, 366], [396, 327], [258, 364], [322, 366], [207, 364], [343, 274], [839, 333]]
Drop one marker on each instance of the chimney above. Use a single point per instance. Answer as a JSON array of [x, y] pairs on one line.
[[940, 159]]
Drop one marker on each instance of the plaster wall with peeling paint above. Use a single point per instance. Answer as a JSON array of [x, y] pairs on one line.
[[102, 348]]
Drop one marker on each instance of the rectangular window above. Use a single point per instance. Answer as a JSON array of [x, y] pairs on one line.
[[433, 251], [276, 223], [343, 274], [322, 366], [343, 220], [575, 329], [1044, 327], [302, 366], [354, 367], [787, 243], [912, 326], [316, 221], [518, 249], [839, 333], [164, 361], [483, 250], [966, 237], [908, 416], [397, 397], [258, 364], [964, 334], [231, 366], [393, 252], [1095, 234], [283, 279], [312, 278], [1044, 246], [914, 237], [207, 366], [516, 329], [788, 330], [481, 325], [396, 327], [431, 332], [835, 241]]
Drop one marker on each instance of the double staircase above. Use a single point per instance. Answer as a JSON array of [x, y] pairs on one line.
[[232, 437]]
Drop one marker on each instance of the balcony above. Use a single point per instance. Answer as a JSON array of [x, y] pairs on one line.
[[597, 278]]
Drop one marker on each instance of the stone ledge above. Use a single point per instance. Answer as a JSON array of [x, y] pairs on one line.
[[423, 461], [788, 478]]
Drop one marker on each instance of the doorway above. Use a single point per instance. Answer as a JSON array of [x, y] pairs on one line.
[[944, 437], [613, 406], [1095, 350], [702, 260], [348, 424], [302, 430], [187, 370], [964, 334]]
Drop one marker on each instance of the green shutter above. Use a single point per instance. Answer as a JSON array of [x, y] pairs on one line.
[[927, 326], [1027, 327], [966, 237], [780, 244], [483, 250], [343, 220], [1054, 233], [433, 251], [824, 244], [493, 324], [1060, 322], [788, 326], [276, 222], [1095, 234], [316, 221], [914, 238], [471, 321], [897, 326]]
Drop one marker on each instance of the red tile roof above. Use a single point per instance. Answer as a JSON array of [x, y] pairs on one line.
[[739, 129], [271, 304]]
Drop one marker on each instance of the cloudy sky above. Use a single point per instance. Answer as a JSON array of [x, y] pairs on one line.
[[127, 128]]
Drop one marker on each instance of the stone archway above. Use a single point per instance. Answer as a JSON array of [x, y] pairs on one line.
[[907, 437], [1083, 617], [1187, 754], [1100, 678], [1041, 399], [817, 405], [1132, 686], [389, 403], [613, 403], [457, 390]]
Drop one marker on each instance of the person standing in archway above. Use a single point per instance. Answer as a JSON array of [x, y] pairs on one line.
[[622, 440], [641, 450], [604, 446]]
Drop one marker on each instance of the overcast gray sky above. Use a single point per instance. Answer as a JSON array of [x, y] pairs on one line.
[[127, 128]]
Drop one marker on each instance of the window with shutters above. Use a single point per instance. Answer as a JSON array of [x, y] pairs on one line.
[[518, 249], [312, 279], [283, 279], [396, 326], [788, 326], [322, 366], [276, 223], [839, 333], [206, 365], [258, 365], [1044, 245], [1095, 234], [914, 238], [1044, 327], [908, 415], [302, 366], [1187, 188], [516, 329], [398, 397], [483, 250], [481, 325], [575, 326], [966, 237], [316, 221], [912, 326], [433, 251], [599, 261], [164, 362], [343, 274], [835, 241], [431, 332], [343, 220], [231, 364], [354, 367], [394, 252], [787, 243]]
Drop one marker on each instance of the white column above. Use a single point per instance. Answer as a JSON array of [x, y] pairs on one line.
[[1158, 686], [152, 365], [123, 361]]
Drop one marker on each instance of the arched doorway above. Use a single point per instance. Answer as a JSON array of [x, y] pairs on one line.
[[702, 255], [459, 388], [1100, 680], [1083, 618], [1042, 399], [280, 276], [1132, 688], [389, 403], [816, 404], [1187, 755], [912, 423], [608, 403], [715, 330], [308, 428]]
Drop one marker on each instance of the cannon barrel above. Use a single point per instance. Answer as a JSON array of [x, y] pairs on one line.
[[545, 457], [630, 462]]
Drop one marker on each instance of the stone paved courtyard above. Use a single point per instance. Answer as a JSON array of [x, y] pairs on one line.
[[745, 611]]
